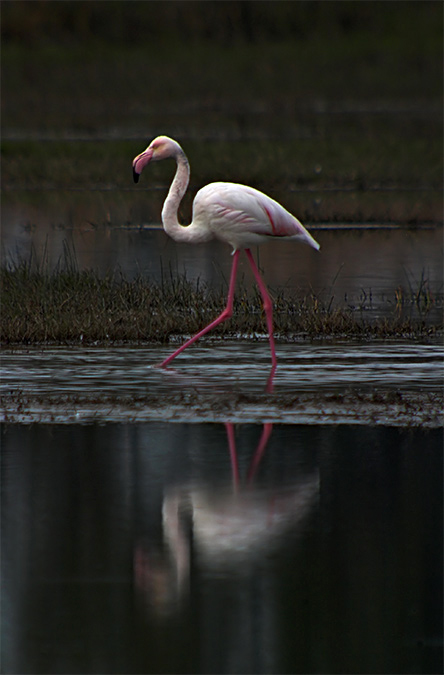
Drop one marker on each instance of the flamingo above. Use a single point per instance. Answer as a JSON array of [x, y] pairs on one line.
[[236, 214]]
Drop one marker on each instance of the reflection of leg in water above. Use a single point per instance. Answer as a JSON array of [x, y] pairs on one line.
[[266, 433], [233, 454]]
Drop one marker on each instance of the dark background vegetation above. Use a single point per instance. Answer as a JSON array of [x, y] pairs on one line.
[[291, 97], [136, 22]]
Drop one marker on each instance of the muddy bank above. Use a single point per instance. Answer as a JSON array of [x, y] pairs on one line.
[[390, 408]]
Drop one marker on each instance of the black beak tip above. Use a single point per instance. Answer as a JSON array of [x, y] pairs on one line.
[[135, 176]]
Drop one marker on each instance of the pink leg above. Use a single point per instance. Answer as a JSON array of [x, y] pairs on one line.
[[226, 314], [268, 307]]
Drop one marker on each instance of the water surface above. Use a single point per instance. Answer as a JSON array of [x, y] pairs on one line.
[[393, 382]]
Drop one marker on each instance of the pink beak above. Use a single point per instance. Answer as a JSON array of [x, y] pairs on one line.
[[140, 162]]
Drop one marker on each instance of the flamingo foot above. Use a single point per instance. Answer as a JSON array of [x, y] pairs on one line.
[[270, 384]]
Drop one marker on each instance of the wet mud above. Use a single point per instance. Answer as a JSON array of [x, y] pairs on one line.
[[350, 407]]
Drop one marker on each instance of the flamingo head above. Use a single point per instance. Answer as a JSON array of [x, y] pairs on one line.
[[161, 148]]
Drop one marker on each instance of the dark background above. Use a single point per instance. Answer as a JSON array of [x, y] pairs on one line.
[[309, 96]]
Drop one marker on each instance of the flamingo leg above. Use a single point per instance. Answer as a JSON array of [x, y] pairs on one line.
[[226, 314], [268, 308]]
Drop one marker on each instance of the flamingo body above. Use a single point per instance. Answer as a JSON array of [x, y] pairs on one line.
[[236, 214], [243, 216]]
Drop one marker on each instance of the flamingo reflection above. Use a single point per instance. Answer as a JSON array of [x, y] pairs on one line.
[[219, 528]]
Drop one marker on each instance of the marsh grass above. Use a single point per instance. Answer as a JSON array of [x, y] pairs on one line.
[[66, 305], [321, 180]]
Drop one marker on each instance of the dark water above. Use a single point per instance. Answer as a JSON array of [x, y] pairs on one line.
[[146, 548]]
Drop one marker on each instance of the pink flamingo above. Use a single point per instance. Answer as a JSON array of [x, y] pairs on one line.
[[236, 214]]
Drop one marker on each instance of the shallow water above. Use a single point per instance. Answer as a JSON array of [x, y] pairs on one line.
[[232, 365], [221, 380], [145, 548]]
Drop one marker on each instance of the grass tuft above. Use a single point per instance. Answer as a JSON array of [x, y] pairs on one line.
[[66, 305]]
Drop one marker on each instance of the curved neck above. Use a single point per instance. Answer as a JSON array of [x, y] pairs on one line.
[[170, 208]]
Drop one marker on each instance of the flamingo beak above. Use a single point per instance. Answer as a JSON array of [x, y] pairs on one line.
[[140, 162]]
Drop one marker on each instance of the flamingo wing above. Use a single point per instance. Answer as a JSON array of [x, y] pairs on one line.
[[244, 216]]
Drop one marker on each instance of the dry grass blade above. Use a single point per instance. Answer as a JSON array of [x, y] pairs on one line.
[[67, 305]]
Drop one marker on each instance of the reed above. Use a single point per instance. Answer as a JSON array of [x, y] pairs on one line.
[[66, 305]]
